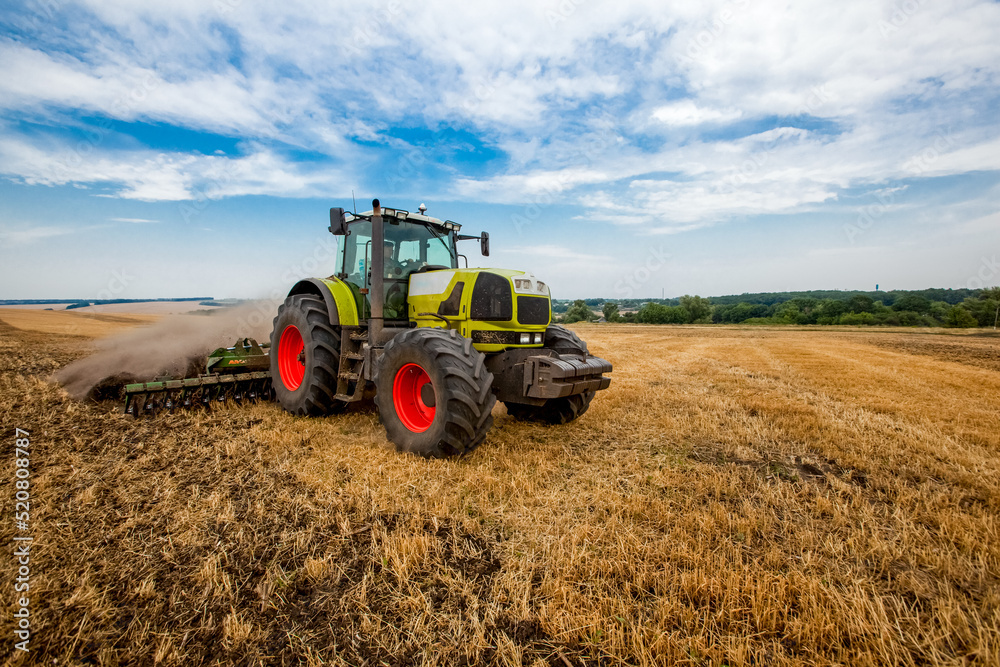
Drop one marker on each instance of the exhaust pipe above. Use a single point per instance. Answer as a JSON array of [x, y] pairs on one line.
[[376, 297]]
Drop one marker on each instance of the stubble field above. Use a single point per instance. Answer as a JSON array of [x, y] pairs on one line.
[[737, 497]]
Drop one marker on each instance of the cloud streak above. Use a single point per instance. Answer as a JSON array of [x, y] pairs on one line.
[[657, 121]]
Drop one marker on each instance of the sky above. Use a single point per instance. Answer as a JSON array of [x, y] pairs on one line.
[[617, 150]]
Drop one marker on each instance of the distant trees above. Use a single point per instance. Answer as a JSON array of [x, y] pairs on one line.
[[912, 302], [908, 309], [738, 312], [579, 312], [960, 317], [698, 309], [991, 298], [655, 313], [984, 308], [861, 303]]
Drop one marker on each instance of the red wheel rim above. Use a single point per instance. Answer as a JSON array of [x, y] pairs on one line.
[[291, 364], [413, 412]]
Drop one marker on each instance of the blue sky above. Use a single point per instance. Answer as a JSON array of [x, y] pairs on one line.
[[628, 150]]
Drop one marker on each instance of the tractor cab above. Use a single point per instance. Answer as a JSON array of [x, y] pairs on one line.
[[411, 243]]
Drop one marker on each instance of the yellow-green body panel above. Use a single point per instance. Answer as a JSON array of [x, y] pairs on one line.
[[445, 281], [427, 291], [348, 307]]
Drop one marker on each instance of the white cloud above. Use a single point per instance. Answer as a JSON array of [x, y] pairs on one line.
[[686, 112], [28, 235], [156, 176], [603, 105], [25, 234]]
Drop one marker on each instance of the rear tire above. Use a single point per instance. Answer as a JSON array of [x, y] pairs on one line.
[[557, 410], [433, 393], [553, 411], [305, 357], [564, 341]]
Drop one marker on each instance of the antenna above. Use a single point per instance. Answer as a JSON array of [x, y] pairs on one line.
[[355, 202]]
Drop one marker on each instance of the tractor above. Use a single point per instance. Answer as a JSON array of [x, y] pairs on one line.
[[435, 344]]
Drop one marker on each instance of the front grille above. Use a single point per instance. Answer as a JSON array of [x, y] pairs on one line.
[[532, 310], [495, 337], [491, 299], [504, 337]]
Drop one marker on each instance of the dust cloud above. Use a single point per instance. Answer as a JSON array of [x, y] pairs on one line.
[[175, 346]]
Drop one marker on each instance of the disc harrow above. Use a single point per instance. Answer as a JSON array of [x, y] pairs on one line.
[[237, 374], [151, 398]]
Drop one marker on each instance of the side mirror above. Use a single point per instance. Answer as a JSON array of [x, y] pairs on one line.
[[484, 244], [338, 222]]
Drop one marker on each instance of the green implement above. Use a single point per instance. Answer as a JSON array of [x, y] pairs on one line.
[[240, 373]]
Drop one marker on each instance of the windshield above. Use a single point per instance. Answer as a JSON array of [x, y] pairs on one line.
[[408, 247], [414, 246]]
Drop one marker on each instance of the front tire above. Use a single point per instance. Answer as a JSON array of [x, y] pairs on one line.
[[557, 410], [305, 357], [433, 393]]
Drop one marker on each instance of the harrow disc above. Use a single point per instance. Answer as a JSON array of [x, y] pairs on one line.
[[151, 398]]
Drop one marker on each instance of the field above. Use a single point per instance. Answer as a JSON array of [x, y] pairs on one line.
[[739, 496], [140, 307]]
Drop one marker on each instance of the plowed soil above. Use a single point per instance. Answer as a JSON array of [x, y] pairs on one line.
[[738, 496]]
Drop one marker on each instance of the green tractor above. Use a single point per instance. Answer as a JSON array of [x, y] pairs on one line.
[[435, 344]]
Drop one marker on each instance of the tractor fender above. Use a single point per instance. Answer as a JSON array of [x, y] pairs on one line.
[[339, 298]]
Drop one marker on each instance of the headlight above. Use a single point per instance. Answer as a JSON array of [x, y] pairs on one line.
[[538, 338], [525, 339]]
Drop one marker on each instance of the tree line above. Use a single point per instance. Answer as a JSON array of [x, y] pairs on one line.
[[959, 308]]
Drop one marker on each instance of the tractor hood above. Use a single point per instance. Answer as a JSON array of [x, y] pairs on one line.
[[474, 300], [438, 282]]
